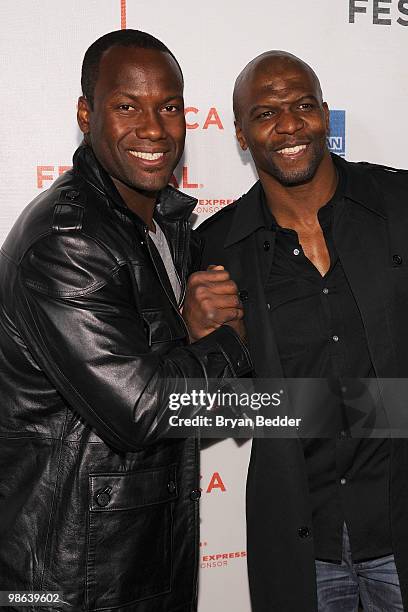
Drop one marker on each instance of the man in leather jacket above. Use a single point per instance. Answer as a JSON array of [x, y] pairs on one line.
[[95, 501]]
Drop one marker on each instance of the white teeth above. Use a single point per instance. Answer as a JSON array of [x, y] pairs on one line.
[[292, 150], [143, 155]]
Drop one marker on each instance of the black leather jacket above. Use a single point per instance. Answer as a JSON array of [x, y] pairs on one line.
[[94, 501]]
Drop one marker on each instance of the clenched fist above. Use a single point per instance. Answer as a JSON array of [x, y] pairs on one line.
[[211, 301]]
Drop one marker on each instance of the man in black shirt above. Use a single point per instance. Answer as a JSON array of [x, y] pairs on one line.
[[314, 247]]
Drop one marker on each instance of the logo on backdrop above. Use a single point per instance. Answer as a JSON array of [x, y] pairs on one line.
[[379, 12], [197, 119], [220, 559], [209, 206], [213, 483], [337, 139], [47, 174]]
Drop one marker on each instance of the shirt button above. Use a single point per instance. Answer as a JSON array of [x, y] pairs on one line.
[[72, 195], [266, 245], [171, 486], [397, 259], [296, 251], [335, 338], [325, 291], [343, 481], [303, 532], [103, 498], [269, 306], [243, 295], [195, 495]]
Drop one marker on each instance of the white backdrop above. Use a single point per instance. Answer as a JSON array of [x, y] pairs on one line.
[[357, 47]]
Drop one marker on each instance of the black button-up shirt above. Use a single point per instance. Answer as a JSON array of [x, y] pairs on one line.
[[320, 334]]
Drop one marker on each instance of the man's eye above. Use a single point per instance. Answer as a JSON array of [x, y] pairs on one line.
[[125, 107], [306, 106], [171, 108], [266, 114]]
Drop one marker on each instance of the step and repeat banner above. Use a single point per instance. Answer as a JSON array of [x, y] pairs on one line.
[[358, 48]]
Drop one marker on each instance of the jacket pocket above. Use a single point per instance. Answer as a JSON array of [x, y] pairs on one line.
[[130, 524]]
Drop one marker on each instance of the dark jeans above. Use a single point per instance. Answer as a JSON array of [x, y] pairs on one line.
[[375, 582]]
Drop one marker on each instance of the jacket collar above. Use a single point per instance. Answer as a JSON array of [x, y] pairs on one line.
[[360, 187], [172, 205], [248, 216]]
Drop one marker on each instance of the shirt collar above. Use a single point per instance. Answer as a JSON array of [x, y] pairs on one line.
[[249, 215], [325, 213], [355, 183]]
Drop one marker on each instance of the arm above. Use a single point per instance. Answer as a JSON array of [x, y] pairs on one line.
[[75, 311]]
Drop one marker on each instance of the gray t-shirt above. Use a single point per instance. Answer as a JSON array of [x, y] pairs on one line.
[[163, 248]]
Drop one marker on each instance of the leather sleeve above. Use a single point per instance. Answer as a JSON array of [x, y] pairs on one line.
[[76, 312]]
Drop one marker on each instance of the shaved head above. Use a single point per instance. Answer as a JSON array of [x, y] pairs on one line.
[[281, 118], [271, 63]]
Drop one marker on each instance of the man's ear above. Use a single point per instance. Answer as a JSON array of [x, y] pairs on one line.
[[240, 136], [83, 115], [327, 116]]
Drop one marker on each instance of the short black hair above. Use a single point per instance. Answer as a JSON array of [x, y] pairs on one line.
[[118, 38]]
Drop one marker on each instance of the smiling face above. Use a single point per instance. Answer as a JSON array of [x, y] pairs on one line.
[[281, 119], [136, 127]]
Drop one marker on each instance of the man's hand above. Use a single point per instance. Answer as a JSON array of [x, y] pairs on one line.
[[211, 301]]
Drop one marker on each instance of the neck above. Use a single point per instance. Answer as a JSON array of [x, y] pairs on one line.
[[296, 205], [139, 202]]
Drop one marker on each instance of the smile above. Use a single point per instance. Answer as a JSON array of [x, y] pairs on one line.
[[292, 151], [149, 156]]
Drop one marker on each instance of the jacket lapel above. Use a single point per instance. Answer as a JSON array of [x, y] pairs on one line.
[[361, 238]]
